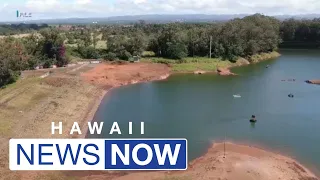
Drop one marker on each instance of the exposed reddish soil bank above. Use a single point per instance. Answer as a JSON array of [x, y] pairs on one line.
[[224, 72], [240, 163], [313, 81], [114, 75], [108, 75]]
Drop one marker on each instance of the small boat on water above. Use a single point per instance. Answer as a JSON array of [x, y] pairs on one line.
[[237, 96], [253, 119]]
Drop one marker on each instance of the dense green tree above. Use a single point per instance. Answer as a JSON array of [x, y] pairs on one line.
[[13, 59], [177, 51], [300, 33]]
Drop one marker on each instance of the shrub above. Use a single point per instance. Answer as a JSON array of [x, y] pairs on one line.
[[125, 55], [110, 56], [177, 51], [91, 53]]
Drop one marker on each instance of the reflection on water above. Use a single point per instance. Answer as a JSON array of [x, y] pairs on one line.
[[253, 125]]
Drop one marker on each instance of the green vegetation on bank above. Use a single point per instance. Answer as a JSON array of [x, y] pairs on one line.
[[191, 64], [263, 56]]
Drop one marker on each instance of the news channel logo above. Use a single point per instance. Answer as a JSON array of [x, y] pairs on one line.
[[23, 14], [98, 154]]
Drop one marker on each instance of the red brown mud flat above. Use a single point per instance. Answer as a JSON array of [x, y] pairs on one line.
[[313, 81], [239, 163], [113, 75], [224, 72]]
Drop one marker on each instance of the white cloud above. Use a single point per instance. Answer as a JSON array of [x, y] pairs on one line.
[[42, 5], [126, 7], [103, 8], [83, 1], [140, 1]]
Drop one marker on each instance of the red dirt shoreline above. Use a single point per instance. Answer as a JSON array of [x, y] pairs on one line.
[[260, 146], [211, 165], [239, 162], [97, 76]]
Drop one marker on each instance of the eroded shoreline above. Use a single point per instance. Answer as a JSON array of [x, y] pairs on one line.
[[29, 107], [96, 77], [99, 77], [251, 161], [237, 162]]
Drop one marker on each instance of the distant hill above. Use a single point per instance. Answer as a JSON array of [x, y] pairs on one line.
[[158, 18], [302, 16]]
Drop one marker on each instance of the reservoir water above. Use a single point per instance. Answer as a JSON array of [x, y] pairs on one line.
[[202, 108]]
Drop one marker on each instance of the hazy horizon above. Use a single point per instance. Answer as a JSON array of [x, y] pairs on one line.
[[59, 9], [154, 18]]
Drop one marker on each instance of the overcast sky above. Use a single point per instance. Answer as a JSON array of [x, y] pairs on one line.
[[42, 9]]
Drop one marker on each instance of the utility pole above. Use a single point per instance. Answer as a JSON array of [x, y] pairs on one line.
[[210, 45], [192, 46], [224, 145]]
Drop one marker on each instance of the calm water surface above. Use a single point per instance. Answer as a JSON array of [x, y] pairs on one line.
[[202, 108]]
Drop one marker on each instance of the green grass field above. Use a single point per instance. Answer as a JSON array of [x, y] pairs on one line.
[[101, 44], [191, 64]]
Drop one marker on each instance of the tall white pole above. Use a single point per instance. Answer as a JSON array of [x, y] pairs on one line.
[[224, 145], [210, 45]]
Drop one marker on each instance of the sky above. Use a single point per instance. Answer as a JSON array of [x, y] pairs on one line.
[[49, 9]]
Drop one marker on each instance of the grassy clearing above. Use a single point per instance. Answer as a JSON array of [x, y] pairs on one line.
[[17, 35], [263, 56], [191, 64], [28, 107], [148, 54], [100, 45], [16, 100]]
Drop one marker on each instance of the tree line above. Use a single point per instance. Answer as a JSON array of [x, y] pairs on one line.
[[12, 29], [17, 54], [238, 37], [300, 33], [229, 40]]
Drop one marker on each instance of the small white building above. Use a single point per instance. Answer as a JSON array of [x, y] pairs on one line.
[[95, 62], [71, 65], [83, 62]]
